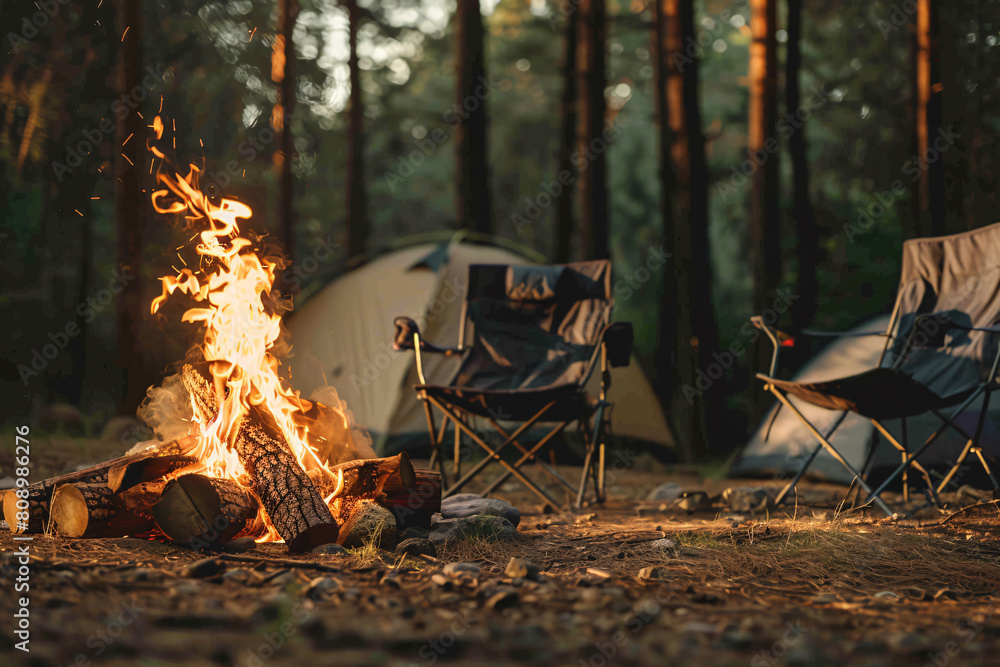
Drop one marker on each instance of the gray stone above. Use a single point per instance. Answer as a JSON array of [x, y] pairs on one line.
[[521, 567], [482, 527], [469, 504], [502, 600], [668, 491], [330, 550], [417, 546], [460, 569]]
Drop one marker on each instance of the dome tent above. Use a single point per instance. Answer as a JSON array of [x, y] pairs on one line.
[[342, 336], [782, 442]]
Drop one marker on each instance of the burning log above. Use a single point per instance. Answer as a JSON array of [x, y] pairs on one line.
[[40, 493], [95, 510], [412, 495], [289, 497], [204, 510]]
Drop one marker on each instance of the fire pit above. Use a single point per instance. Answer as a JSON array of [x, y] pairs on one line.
[[258, 460]]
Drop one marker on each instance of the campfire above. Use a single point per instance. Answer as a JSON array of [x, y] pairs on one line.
[[255, 459]]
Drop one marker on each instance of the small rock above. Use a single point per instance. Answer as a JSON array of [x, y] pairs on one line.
[[281, 578], [441, 580], [391, 580], [186, 588], [663, 544], [886, 594], [482, 527], [321, 587], [521, 567], [502, 600], [460, 569], [668, 491], [330, 550], [238, 574], [416, 546], [206, 567], [240, 545], [463, 505], [653, 572], [413, 533]]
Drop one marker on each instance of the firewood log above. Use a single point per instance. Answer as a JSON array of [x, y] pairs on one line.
[[288, 495], [40, 493], [93, 510], [204, 511]]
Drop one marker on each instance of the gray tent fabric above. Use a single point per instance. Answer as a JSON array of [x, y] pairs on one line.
[[782, 441]]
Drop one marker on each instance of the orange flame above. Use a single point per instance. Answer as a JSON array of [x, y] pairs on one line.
[[233, 285]]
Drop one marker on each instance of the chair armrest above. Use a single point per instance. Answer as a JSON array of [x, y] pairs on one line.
[[403, 340], [777, 338], [618, 337]]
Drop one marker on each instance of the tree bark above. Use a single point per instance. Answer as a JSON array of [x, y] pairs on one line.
[[471, 152], [567, 137], [807, 283], [765, 230], [928, 86], [93, 510], [289, 497], [128, 212], [204, 511], [40, 493], [592, 146], [283, 74], [357, 199]]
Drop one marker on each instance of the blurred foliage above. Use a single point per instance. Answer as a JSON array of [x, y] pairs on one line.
[[220, 95]]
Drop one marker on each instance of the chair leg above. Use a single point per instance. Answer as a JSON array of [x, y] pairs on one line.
[[986, 467], [954, 469], [584, 476], [833, 450], [530, 454], [436, 454], [798, 476], [906, 484]]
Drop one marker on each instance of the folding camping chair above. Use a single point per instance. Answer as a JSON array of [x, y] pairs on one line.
[[940, 351], [537, 334]]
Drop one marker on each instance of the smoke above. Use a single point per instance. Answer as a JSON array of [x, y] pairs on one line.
[[167, 410], [333, 442]]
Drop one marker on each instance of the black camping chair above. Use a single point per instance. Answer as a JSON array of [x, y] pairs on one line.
[[537, 334], [941, 351]]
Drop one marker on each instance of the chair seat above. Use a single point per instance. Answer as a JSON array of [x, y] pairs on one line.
[[516, 404], [881, 393]]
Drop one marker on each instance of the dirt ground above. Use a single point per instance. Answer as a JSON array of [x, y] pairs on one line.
[[802, 585]]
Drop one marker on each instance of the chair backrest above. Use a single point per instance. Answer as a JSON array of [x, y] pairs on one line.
[[947, 279], [532, 326]]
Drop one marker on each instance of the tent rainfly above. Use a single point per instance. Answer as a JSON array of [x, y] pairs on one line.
[[782, 442], [342, 337]]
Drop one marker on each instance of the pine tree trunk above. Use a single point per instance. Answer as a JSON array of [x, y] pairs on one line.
[[765, 230], [129, 211], [567, 137], [930, 193], [357, 200], [283, 74], [807, 284], [592, 145], [471, 154]]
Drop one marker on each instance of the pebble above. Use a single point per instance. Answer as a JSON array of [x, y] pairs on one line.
[[460, 569], [206, 567], [416, 546], [653, 572], [323, 585], [330, 550], [441, 580], [668, 491], [463, 505], [521, 567], [482, 527]]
